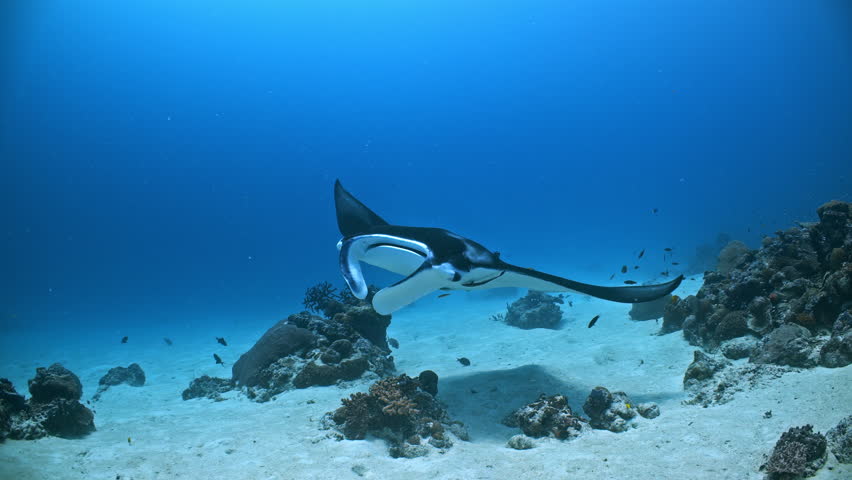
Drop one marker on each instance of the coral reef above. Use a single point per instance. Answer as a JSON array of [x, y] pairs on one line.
[[798, 453], [53, 408], [650, 310], [547, 417], [613, 411], [840, 440], [131, 375], [304, 350], [789, 294], [837, 352], [208, 387], [400, 411], [535, 310], [521, 442]]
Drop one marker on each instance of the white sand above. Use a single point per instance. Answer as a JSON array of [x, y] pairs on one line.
[[239, 439]]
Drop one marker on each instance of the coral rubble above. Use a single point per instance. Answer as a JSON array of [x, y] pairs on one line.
[[208, 387], [547, 417], [613, 410]]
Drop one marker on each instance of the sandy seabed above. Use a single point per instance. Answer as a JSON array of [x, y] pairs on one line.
[[283, 439]]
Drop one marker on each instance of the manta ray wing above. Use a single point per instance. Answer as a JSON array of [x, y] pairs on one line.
[[422, 282], [353, 217], [521, 277]]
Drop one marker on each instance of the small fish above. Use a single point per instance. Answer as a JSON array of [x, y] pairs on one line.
[[594, 319], [129, 441], [624, 269], [641, 362], [464, 361], [748, 229], [443, 295], [393, 342], [612, 276], [168, 341], [665, 274], [655, 210], [642, 253], [218, 360], [675, 263], [124, 340], [635, 267], [629, 282], [675, 299], [570, 303], [222, 341], [667, 249]]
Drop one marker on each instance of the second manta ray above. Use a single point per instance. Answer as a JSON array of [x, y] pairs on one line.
[[435, 259]]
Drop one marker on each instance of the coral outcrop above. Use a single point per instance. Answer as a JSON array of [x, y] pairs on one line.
[[305, 350], [840, 440], [613, 410], [798, 453], [711, 380], [547, 417], [132, 375], [535, 310], [53, 408], [800, 277], [400, 411], [208, 387]]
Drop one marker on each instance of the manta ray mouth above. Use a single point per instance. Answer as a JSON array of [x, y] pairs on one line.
[[478, 284], [401, 247]]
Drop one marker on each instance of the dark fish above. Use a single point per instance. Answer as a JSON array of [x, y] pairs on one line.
[[675, 263], [624, 269], [570, 303], [218, 360], [168, 341], [665, 274], [222, 341], [443, 295], [629, 282], [635, 267], [655, 210], [393, 342], [749, 229], [667, 249], [612, 276], [594, 319], [124, 340], [642, 253], [464, 361]]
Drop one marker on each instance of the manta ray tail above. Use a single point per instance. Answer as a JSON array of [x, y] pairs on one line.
[[353, 217]]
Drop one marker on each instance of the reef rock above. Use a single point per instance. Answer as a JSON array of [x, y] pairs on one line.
[[547, 417], [53, 383], [131, 375], [798, 453], [737, 348], [840, 440], [208, 387], [788, 344], [281, 340], [535, 310], [53, 408], [613, 411], [10, 403], [837, 352], [521, 442], [650, 310], [676, 312], [801, 277], [400, 411]]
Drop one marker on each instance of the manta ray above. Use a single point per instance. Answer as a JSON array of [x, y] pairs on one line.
[[433, 259]]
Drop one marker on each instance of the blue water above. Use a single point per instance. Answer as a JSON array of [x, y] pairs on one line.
[[171, 163]]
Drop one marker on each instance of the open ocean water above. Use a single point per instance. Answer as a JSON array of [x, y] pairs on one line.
[[167, 176]]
